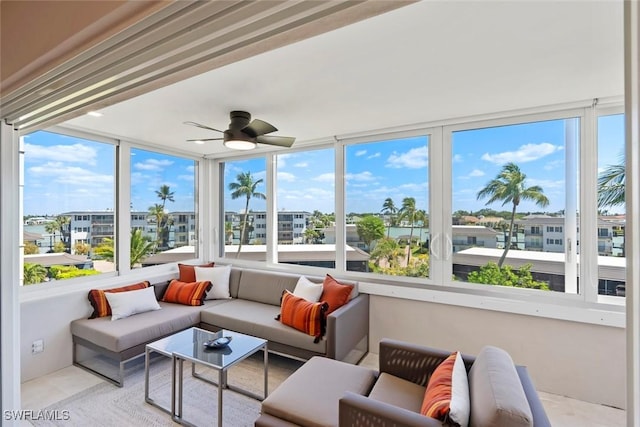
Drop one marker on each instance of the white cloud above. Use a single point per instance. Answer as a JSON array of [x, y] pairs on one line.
[[457, 158], [546, 184], [153, 164], [526, 153], [326, 177], [476, 173], [76, 153], [361, 153], [301, 165], [413, 159], [373, 156], [75, 176], [365, 176], [286, 177], [186, 177]]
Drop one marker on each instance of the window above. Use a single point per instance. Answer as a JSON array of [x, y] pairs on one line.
[[487, 164], [387, 207], [64, 178], [611, 205], [245, 208], [308, 208], [162, 207]]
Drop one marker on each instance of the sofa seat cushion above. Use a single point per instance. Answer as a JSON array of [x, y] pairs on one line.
[[258, 319], [141, 328], [309, 397], [497, 395], [398, 392]]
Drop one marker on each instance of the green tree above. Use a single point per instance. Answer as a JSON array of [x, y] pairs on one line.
[[62, 272], [61, 224], [157, 212], [509, 187], [389, 250], [311, 235], [370, 228], [33, 273], [389, 208], [81, 248], [164, 221], [492, 274], [611, 185], [140, 247], [30, 248], [228, 232], [245, 186], [409, 212], [59, 247]]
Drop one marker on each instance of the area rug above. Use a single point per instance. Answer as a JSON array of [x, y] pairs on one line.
[[107, 405]]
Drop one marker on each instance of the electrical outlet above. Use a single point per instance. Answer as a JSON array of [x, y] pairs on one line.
[[37, 346]]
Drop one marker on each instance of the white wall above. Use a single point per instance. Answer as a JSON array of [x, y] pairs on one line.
[[578, 360]]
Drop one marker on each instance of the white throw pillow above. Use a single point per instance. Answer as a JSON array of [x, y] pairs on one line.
[[460, 406], [219, 278], [125, 304], [308, 290]]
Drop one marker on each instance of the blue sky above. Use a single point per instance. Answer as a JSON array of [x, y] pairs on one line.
[[64, 173]]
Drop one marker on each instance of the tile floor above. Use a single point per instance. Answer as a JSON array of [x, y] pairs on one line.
[[562, 411]]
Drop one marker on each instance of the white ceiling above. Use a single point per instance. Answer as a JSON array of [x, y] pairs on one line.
[[425, 62]]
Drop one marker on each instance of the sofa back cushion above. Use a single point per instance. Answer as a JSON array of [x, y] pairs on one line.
[[497, 396], [265, 287], [234, 281]]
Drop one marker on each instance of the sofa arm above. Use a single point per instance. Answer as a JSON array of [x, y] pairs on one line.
[[413, 362], [540, 418], [355, 409], [348, 330]]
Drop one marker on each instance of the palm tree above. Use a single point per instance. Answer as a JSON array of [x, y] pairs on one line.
[[33, 273], [408, 211], [389, 208], [141, 246], [245, 186], [164, 194], [509, 187], [611, 185], [157, 211]]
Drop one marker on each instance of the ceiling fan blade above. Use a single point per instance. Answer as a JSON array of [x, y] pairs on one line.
[[280, 141], [205, 139], [258, 127], [201, 126]]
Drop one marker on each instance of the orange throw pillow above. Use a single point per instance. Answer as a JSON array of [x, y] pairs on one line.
[[98, 300], [188, 273], [192, 293], [303, 315], [447, 395], [334, 293]]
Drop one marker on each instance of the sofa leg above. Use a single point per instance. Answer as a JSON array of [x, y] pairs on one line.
[[118, 381]]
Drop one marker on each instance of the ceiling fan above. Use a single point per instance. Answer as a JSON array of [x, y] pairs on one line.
[[244, 133]]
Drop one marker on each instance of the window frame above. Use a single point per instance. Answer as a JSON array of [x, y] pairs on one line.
[[122, 196]]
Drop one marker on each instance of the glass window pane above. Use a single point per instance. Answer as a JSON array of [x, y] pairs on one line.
[[163, 214], [68, 206], [245, 209], [306, 201], [611, 206], [387, 207], [509, 201]]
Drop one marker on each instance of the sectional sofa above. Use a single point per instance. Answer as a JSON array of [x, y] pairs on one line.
[[252, 309]]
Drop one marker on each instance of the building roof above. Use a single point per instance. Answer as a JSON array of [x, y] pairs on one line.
[[62, 258]]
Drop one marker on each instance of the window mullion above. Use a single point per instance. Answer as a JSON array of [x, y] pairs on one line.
[[439, 204], [588, 208], [122, 220], [341, 234]]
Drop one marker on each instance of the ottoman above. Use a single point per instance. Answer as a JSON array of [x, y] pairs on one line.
[[309, 397]]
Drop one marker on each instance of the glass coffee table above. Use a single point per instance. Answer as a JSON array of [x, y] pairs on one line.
[[240, 347], [188, 345]]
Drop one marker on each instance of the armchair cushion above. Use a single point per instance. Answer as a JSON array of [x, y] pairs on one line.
[[398, 392], [497, 395]]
